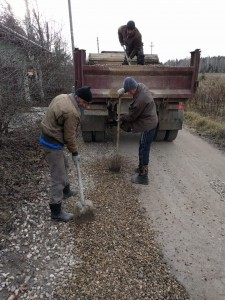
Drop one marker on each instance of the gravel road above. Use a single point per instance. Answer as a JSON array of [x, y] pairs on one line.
[[162, 241], [185, 203]]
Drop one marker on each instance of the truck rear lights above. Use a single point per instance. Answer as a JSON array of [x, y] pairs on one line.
[[175, 106]]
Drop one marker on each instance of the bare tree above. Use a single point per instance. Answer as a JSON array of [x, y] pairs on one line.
[[46, 60]]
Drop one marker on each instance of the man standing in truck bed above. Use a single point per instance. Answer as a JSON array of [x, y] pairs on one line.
[[131, 38]]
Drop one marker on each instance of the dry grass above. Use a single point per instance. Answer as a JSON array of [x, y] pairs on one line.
[[206, 110], [209, 99], [206, 126], [115, 162]]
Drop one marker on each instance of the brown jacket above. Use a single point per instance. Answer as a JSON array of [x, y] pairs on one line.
[[133, 43], [142, 114], [61, 121]]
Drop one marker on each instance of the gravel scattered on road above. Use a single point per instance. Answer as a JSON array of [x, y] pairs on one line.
[[113, 257]]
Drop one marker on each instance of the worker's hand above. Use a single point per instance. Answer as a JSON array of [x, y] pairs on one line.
[[125, 126], [76, 157], [120, 92]]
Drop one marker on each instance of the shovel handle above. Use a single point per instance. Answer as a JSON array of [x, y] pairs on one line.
[[126, 55], [118, 125], [80, 183]]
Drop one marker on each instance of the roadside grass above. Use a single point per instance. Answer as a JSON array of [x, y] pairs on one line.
[[206, 126], [206, 110]]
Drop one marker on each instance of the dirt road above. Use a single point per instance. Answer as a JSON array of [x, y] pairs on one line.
[[185, 203]]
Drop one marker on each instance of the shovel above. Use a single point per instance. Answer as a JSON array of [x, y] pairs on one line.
[[126, 55], [83, 209], [116, 160]]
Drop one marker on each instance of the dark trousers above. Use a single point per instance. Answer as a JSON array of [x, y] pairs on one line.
[[145, 142], [140, 57]]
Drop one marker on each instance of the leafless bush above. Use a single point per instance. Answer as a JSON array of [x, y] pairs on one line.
[[209, 99], [44, 50], [11, 86]]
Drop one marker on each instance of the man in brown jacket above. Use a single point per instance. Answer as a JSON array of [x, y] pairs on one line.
[[131, 38], [142, 117], [59, 127]]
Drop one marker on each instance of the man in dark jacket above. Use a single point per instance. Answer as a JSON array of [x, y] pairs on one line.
[[131, 38], [59, 127], [142, 117]]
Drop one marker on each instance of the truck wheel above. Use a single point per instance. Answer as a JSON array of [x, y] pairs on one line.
[[171, 135], [87, 136], [160, 135], [99, 136]]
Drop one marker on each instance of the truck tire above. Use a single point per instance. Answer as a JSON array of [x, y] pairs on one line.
[[99, 136], [160, 135], [87, 136], [171, 135]]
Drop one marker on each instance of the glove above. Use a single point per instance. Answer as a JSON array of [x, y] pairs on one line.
[[75, 157], [125, 126], [120, 92]]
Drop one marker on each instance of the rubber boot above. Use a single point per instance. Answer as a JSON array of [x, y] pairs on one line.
[[142, 177], [58, 214], [67, 192]]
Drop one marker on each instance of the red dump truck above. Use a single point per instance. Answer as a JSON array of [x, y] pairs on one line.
[[171, 88]]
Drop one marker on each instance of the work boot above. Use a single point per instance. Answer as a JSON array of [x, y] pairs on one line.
[[67, 192], [58, 214], [142, 177]]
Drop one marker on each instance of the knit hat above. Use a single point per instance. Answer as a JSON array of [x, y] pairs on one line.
[[84, 93], [130, 25], [129, 84]]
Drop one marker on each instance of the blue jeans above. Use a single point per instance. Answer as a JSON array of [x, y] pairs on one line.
[[145, 145]]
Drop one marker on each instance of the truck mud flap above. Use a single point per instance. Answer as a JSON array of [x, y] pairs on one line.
[[93, 125]]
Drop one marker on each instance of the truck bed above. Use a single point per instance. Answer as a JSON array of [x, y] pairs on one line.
[[104, 73], [163, 81]]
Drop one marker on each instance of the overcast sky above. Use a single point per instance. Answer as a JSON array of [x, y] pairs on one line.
[[174, 27]]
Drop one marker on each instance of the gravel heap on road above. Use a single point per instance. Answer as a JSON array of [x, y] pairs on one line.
[[113, 257]]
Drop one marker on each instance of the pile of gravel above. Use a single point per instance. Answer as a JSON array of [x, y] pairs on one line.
[[113, 257]]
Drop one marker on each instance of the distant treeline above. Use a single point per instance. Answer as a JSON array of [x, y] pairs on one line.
[[215, 64]]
